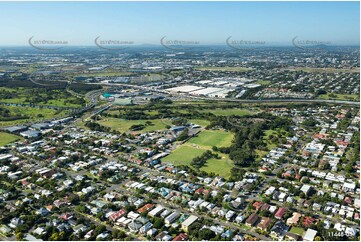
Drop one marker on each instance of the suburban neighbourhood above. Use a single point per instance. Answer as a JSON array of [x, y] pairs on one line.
[[180, 121]]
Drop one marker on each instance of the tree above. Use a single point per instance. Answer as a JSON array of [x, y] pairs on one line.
[[118, 234], [99, 229], [62, 235], [81, 208], [194, 229], [266, 199], [19, 236], [55, 237], [321, 91], [310, 122], [349, 168], [305, 180], [99, 215], [158, 223], [206, 234], [183, 136]]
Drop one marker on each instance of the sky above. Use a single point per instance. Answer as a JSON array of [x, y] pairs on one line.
[[275, 23]]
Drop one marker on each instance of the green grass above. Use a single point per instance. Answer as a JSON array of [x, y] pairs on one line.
[[297, 230], [266, 137], [260, 154], [152, 112], [123, 112], [184, 154], [245, 227], [226, 68], [60, 98], [6, 138], [212, 138], [221, 167], [277, 133], [200, 122], [353, 97], [123, 125], [32, 114], [228, 111], [62, 102], [262, 82]]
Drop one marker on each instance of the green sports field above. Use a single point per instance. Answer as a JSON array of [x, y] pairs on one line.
[[220, 167], [184, 154], [228, 111], [212, 138], [123, 125], [6, 138], [200, 122]]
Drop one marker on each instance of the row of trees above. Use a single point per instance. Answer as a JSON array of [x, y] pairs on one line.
[[6, 115], [97, 127], [199, 161], [249, 138]]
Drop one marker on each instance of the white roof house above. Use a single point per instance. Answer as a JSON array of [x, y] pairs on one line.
[[189, 221], [156, 211], [349, 186], [310, 235]]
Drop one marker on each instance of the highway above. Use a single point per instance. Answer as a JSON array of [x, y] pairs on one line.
[[327, 101], [92, 96]]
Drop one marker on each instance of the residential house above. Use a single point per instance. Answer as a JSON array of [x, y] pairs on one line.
[[181, 237], [116, 215], [306, 189], [257, 205], [309, 221], [293, 237], [146, 227], [294, 219], [280, 212], [265, 223], [134, 226], [252, 219], [156, 211], [310, 235], [188, 222], [279, 230], [171, 218]]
